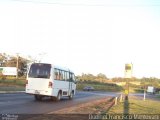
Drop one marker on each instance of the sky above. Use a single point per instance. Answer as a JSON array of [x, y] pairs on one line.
[[87, 36]]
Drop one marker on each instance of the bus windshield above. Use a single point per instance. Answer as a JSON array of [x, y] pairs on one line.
[[40, 70]]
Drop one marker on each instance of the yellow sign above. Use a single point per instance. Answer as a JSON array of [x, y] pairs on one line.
[[126, 91], [128, 70]]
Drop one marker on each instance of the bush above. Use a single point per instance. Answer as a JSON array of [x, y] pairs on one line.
[[99, 86], [2, 77]]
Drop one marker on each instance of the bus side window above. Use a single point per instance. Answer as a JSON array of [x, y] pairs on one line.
[[59, 75], [71, 76], [63, 74], [55, 74], [67, 76]]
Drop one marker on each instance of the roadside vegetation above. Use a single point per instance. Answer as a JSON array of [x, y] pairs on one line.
[[12, 84], [99, 81], [11, 61], [99, 86], [91, 107], [136, 105], [12, 88]]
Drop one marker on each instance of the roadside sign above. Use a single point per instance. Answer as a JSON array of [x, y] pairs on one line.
[[8, 71], [126, 91], [128, 70]]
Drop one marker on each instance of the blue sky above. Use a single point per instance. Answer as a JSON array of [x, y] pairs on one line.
[[89, 36]]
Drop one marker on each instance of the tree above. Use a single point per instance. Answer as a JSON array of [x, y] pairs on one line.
[[101, 77], [22, 66], [11, 61], [3, 59]]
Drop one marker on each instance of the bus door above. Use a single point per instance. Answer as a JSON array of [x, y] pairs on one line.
[[71, 82]]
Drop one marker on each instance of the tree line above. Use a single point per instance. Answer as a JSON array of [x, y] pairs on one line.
[[90, 77], [11, 61], [151, 81]]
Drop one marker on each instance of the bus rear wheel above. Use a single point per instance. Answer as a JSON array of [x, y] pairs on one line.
[[38, 97]]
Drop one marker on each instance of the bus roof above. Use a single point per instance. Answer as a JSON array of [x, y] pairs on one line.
[[62, 68], [56, 66]]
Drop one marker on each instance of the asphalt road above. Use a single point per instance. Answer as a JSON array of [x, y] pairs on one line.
[[21, 103]]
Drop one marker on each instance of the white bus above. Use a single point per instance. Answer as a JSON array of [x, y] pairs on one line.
[[45, 79]]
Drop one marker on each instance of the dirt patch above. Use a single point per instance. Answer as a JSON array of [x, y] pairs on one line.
[[97, 106], [78, 112]]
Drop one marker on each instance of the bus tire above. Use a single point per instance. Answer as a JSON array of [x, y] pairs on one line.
[[38, 97], [53, 98], [71, 95], [58, 98]]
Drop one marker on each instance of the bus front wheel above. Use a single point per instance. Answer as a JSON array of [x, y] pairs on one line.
[[71, 96], [58, 98]]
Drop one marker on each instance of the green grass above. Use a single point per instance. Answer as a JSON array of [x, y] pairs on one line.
[[12, 88], [136, 105], [12, 85], [97, 85], [136, 90], [100, 86], [158, 96], [17, 82]]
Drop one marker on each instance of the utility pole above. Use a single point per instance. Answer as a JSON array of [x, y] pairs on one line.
[[128, 75], [144, 96], [17, 65], [127, 89]]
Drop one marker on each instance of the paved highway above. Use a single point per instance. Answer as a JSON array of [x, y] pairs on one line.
[[21, 103]]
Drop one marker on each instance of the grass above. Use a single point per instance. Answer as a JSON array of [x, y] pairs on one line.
[[136, 90], [12, 88], [100, 86], [12, 85], [136, 105], [17, 82], [158, 96]]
